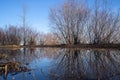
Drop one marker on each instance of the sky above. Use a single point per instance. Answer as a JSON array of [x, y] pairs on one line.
[[37, 12]]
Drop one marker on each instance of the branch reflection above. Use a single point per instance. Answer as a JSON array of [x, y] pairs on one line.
[[75, 64]]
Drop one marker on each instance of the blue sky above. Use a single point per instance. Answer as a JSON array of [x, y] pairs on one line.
[[37, 12]]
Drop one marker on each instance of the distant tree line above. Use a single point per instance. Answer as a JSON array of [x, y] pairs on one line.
[[13, 35]]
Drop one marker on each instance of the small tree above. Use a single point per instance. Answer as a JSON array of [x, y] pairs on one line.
[[32, 42]]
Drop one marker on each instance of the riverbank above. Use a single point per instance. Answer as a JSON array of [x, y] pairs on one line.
[[85, 46], [106, 46]]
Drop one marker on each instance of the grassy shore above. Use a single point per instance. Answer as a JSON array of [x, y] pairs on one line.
[[10, 46]]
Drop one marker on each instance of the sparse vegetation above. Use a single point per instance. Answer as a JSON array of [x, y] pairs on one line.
[[84, 42], [73, 23]]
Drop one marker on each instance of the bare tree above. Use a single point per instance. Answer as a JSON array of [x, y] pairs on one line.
[[24, 26], [13, 35], [40, 39], [2, 36], [104, 24], [51, 39], [32, 38], [69, 21], [10, 35], [75, 23]]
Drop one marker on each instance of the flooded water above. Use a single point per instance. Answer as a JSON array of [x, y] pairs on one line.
[[59, 64]]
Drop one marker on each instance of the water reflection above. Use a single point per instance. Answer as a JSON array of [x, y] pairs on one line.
[[87, 64], [61, 64], [36, 60]]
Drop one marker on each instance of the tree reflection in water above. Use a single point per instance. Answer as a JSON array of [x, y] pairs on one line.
[[78, 64], [33, 63], [70, 64]]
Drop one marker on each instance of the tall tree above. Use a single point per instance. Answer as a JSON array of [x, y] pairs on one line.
[[104, 24], [24, 25], [69, 21]]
